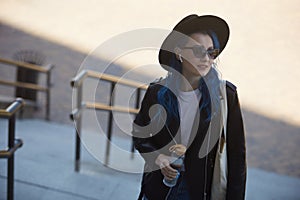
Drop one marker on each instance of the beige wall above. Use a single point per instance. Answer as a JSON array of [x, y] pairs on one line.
[[261, 57]]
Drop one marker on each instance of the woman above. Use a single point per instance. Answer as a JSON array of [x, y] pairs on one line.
[[184, 108]]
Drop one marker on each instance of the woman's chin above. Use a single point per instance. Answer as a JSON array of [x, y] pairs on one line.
[[202, 72]]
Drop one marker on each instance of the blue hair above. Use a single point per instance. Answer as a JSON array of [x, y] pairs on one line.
[[214, 38], [166, 97], [208, 86]]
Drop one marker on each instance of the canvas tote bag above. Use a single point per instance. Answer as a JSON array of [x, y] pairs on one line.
[[219, 183]]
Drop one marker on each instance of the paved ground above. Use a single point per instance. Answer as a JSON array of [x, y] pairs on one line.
[[44, 169]]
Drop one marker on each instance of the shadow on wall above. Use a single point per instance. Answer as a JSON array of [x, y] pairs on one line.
[[272, 144]]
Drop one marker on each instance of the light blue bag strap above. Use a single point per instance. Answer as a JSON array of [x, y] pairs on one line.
[[224, 108]]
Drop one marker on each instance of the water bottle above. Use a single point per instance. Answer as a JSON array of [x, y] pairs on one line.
[[172, 182], [176, 164]]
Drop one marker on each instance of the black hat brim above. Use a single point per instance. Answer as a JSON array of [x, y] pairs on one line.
[[189, 25]]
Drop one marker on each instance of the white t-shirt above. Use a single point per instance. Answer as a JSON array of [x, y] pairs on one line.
[[188, 106]]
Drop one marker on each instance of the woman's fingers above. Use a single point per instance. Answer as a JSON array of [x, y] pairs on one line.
[[169, 172], [164, 163]]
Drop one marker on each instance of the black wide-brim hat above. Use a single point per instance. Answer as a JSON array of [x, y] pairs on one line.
[[193, 24]]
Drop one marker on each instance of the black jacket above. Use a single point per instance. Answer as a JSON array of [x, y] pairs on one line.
[[150, 140]]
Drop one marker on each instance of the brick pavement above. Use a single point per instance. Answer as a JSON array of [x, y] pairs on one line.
[[271, 144]]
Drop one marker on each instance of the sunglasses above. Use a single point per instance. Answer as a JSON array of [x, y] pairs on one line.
[[201, 52]]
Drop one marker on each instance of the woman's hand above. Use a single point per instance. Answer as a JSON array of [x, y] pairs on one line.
[[163, 162]]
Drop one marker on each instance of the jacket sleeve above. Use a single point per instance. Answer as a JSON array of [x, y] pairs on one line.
[[142, 130], [236, 150]]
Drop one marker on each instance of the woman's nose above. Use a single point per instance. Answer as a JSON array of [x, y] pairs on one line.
[[205, 58]]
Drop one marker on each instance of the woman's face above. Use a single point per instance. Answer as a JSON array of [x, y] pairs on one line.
[[193, 66]]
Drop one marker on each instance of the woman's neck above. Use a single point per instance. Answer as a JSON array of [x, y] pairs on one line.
[[189, 83]]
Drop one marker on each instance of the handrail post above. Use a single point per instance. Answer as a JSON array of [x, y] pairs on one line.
[[110, 122], [10, 114], [78, 128], [77, 82], [137, 105], [10, 162], [48, 95]]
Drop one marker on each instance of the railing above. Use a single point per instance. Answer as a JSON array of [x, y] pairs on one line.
[[13, 143], [46, 70], [77, 83]]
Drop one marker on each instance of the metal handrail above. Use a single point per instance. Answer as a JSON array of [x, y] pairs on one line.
[[116, 79], [10, 151], [12, 108], [75, 115], [101, 106], [13, 143], [45, 69], [24, 85], [78, 80]]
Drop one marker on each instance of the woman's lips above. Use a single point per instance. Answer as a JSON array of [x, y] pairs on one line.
[[202, 66]]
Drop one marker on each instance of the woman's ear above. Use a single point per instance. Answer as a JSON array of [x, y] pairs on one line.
[[177, 52]]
